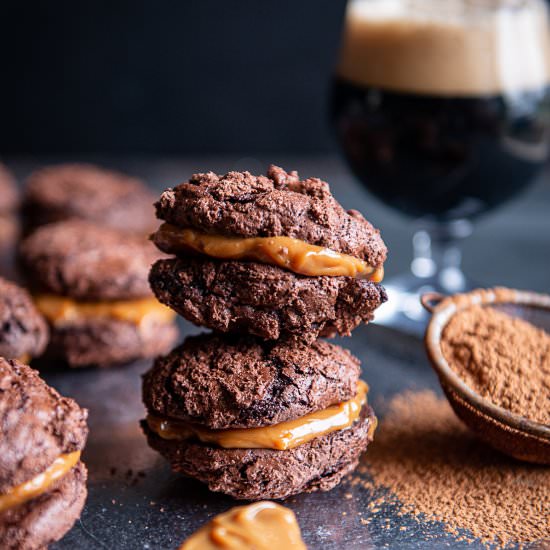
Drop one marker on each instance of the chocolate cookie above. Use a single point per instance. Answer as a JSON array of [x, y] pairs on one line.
[[48, 517], [243, 382], [221, 408], [242, 205], [23, 331], [81, 260], [257, 474], [91, 285], [9, 196], [263, 300], [41, 430], [88, 192]]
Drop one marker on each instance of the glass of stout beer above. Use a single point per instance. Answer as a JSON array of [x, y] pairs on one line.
[[441, 108]]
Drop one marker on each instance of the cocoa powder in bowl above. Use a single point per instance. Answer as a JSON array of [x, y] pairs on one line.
[[437, 470], [504, 359]]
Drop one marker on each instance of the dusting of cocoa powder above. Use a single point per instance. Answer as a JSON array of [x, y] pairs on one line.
[[504, 359], [437, 470]]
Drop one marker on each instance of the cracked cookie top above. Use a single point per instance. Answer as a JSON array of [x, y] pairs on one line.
[[240, 204], [242, 382]]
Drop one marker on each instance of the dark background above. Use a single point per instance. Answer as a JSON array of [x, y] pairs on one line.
[[167, 77]]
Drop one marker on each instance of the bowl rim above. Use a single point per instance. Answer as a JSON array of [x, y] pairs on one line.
[[443, 308]]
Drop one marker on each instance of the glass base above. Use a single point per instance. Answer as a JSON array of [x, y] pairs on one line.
[[403, 310]]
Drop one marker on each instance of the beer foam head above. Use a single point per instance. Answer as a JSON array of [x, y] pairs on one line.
[[447, 47]]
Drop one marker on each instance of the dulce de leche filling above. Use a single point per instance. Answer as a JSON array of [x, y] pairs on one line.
[[40, 484], [262, 526], [285, 252], [282, 436], [60, 309]]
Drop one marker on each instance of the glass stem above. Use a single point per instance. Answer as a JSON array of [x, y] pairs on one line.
[[437, 255]]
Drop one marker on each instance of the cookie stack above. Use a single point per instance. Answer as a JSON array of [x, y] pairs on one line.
[[261, 408]]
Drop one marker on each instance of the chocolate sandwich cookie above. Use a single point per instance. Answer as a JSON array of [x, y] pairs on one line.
[[88, 192], [272, 255], [257, 419], [23, 330], [42, 480], [90, 283], [9, 196]]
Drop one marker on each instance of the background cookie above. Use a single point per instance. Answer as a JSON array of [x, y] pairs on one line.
[[242, 382], [79, 259], [88, 192], [243, 205], [263, 300], [106, 342], [91, 284], [9, 197], [23, 331]]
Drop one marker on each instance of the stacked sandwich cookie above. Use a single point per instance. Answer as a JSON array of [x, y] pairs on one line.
[[262, 408], [90, 283], [42, 480]]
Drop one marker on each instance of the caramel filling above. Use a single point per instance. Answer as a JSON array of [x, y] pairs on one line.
[[40, 484], [292, 254], [281, 437], [60, 309], [262, 526]]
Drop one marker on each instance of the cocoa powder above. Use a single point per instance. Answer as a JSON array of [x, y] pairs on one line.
[[437, 470], [504, 359]]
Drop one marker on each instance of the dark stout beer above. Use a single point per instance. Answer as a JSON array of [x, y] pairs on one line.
[[443, 113]]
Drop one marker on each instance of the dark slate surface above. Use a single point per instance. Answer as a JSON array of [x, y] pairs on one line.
[[136, 502]]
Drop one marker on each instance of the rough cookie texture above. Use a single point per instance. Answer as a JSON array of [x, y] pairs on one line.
[[36, 424], [263, 300], [242, 382], [255, 474], [8, 191], [88, 192], [107, 342], [46, 518], [243, 205], [87, 262], [23, 331]]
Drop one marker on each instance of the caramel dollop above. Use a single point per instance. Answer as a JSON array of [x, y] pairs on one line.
[[285, 252], [60, 309], [40, 484], [258, 526], [282, 436]]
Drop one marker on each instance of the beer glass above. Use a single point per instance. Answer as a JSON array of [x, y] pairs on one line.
[[441, 108]]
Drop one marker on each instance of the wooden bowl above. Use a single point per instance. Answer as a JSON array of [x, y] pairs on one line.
[[510, 433]]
